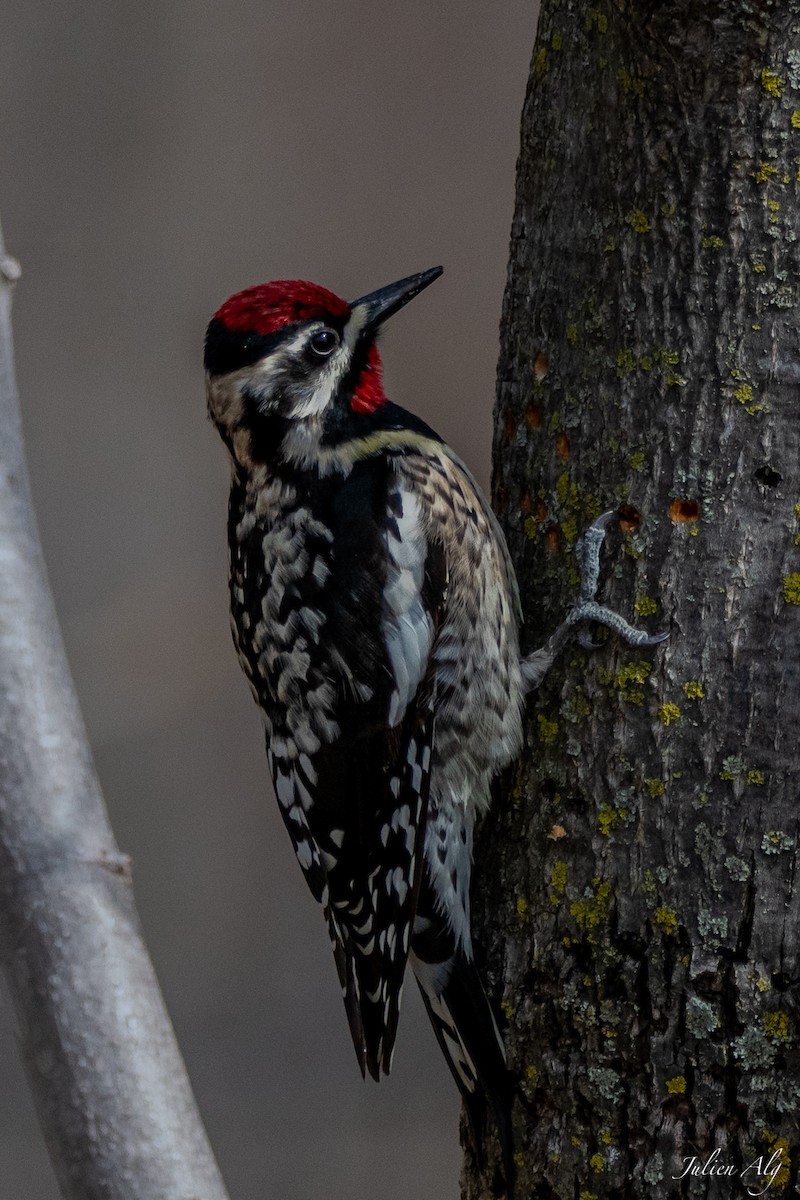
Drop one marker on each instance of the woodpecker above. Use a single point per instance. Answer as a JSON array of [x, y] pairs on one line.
[[376, 615]]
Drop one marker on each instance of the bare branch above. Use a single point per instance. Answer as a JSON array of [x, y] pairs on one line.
[[111, 1091]]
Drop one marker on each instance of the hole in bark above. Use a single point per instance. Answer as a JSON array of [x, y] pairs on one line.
[[678, 1108], [629, 518], [780, 981], [498, 1183], [509, 427], [526, 504], [562, 447], [533, 416], [682, 512], [541, 512], [541, 365], [549, 790], [767, 475], [552, 541]]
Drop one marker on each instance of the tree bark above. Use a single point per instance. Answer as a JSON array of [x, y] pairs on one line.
[[636, 878], [110, 1088]]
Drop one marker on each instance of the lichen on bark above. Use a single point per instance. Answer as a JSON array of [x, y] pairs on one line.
[[635, 879]]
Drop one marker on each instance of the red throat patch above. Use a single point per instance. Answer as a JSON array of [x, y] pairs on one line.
[[269, 306], [368, 393]]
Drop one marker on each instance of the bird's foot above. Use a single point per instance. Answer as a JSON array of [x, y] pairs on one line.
[[587, 552]]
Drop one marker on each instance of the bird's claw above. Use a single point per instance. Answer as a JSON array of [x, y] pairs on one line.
[[590, 610], [587, 552]]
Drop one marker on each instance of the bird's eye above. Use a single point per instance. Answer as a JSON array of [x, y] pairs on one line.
[[324, 342]]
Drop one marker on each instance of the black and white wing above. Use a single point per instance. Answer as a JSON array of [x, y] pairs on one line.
[[350, 707]]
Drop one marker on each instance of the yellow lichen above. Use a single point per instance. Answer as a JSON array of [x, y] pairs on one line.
[[555, 41], [563, 487], [637, 458], [572, 334], [558, 881], [530, 527], [591, 911], [522, 906], [791, 588], [763, 984], [777, 1025], [645, 606], [764, 173], [744, 393], [795, 119], [548, 730], [668, 713], [676, 1086], [596, 1163], [540, 62], [781, 1147], [772, 83], [633, 672], [713, 243], [532, 1074], [628, 83], [638, 221], [666, 918], [519, 1159], [693, 689], [608, 817], [656, 787], [754, 776]]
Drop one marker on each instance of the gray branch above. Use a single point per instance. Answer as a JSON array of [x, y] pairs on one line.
[[110, 1088]]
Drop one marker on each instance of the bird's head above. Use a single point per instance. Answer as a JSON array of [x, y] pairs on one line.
[[290, 365]]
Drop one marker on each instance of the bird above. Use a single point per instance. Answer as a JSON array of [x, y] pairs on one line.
[[376, 615]]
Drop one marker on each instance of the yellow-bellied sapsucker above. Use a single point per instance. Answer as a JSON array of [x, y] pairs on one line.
[[375, 612]]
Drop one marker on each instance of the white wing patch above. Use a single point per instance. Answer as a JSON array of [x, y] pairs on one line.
[[407, 625]]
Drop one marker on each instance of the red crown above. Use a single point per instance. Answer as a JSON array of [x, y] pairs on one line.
[[270, 306]]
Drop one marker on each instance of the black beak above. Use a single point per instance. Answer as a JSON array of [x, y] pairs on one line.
[[387, 300]]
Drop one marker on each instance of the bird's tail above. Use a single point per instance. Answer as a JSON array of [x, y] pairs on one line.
[[466, 1031]]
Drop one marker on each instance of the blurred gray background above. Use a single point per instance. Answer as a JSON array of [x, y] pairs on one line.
[[153, 159]]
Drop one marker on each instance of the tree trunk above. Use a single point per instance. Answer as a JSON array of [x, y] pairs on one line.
[[636, 877]]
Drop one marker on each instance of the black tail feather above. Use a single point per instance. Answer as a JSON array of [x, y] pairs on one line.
[[470, 1040]]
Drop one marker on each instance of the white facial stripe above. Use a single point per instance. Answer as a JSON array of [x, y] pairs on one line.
[[322, 387], [355, 325]]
